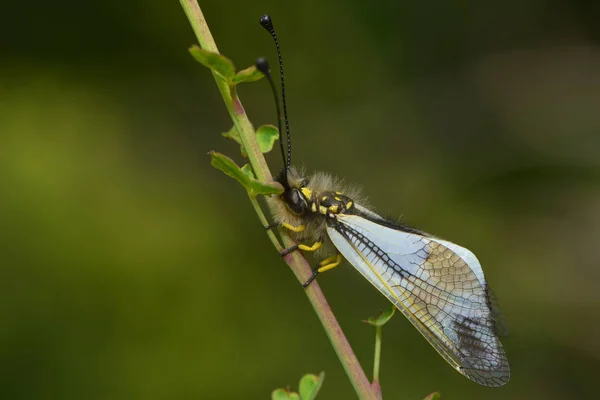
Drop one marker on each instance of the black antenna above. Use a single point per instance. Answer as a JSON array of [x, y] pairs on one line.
[[267, 23], [263, 66]]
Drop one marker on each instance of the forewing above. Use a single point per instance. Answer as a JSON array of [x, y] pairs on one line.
[[439, 286]]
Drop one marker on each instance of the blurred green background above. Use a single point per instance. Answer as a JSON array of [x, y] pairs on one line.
[[133, 270]]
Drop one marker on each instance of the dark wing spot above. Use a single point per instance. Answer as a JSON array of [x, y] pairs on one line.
[[469, 332]]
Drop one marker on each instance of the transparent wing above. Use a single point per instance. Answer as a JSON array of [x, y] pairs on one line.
[[439, 286], [499, 319]]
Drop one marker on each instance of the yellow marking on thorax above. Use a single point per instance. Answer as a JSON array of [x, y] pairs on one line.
[[337, 198], [323, 198], [349, 204], [313, 207], [306, 192], [323, 210], [333, 209]]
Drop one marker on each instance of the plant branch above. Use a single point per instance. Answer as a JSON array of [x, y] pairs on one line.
[[378, 330], [264, 222], [340, 344], [295, 260], [233, 104], [376, 385]]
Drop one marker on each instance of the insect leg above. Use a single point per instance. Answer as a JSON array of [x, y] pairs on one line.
[[316, 246], [293, 228], [328, 263], [328, 260], [272, 225], [299, 228], [325, 265], [288, 251]]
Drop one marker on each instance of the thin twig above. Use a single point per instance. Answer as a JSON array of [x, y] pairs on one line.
[[376, 362], [296, 261], [264, 222]]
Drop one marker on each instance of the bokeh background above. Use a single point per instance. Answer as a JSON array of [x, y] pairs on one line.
[[130, 269]]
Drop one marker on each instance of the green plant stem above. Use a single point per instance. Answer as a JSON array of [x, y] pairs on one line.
[[334, 332], [264, 222], [378, 330], [295, 260], [232, 102], [376, 385]]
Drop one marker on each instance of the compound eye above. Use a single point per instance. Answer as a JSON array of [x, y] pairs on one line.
[[295, 201]]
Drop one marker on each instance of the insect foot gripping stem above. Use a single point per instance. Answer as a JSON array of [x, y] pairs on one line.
[[325, 265], [316, 246], [272, 225], [312, 278], [288, 251]]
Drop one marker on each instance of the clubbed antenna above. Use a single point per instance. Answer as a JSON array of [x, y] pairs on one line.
[[267, 23], [263, 66]]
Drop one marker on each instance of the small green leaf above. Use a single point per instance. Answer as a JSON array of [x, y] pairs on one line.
[[253, 186], [229, 167], [266, 136], [310, 385], [383, 317], [216, 62], [247, 169], [433, 396], [284, 394], [250, 74], [257, 187], [234, 135]]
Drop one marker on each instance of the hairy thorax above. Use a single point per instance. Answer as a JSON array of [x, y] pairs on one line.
[[326, 197]]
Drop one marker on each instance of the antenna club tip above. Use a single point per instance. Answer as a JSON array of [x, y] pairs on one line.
[[266, 22], [263, 66]]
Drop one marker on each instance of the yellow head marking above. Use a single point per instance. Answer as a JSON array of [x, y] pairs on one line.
[[306, 192], [323, 210]]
